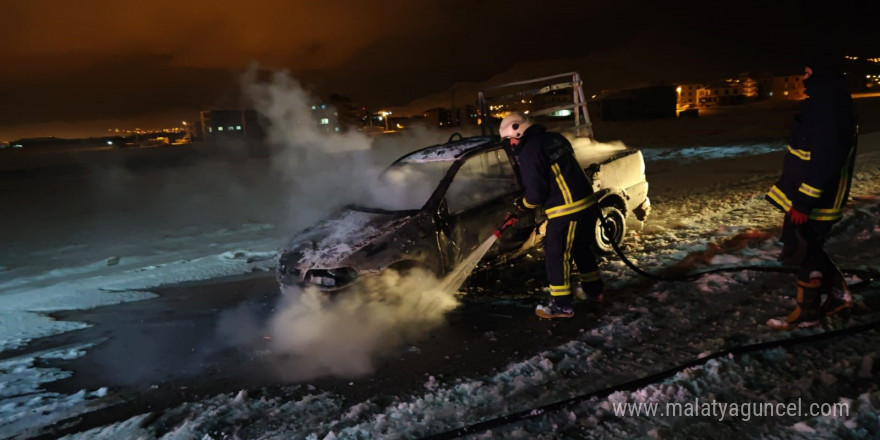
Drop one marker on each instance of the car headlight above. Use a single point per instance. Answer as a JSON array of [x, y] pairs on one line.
[[331, 278]]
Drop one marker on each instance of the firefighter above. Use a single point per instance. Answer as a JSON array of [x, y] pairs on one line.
[[553, 178], [814, 187]]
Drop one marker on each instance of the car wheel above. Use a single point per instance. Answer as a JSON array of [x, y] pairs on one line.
[[611, 231]]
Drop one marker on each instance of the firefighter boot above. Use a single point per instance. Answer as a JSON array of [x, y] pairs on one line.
[[590, 288], [807, 313], [837, 295], [591, 296], [559, 307]]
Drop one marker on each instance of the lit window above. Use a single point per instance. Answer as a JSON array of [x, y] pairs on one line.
[[238, 127], [220, 128], [336, 129], [325, 121], [210, 129], [230, 128], [323, 106], [785, 93], [314, 107]]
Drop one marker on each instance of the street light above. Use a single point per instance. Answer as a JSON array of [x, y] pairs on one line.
[[385, 116]]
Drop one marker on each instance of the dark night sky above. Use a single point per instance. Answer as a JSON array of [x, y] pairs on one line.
[[68, 64]]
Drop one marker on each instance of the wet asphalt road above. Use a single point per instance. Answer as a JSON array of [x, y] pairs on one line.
[[161, 352], [158, 353]]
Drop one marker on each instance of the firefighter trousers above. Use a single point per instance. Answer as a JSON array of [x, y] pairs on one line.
[[569, 238], [807, 242]]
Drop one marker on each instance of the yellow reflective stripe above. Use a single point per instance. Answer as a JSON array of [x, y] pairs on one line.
[[779, 197], [810, 191], [826, 218], [589, 276], [571, 208], [826, 214], [841, 189], [566, 257], [563, 187], [802, 154], [844, 180], [528, 205], [560, 290]]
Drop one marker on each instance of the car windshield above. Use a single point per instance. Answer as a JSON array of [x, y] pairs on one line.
[[406, 185]]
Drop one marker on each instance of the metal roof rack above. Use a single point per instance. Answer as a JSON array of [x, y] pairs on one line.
[[510, 93]]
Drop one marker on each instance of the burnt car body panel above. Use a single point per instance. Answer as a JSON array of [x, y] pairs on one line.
[[469, 202]]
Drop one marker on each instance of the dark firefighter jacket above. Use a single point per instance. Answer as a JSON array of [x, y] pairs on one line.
[[817, 169], [551, 174]]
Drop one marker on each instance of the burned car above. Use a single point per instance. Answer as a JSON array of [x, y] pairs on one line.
[[460, 191], [454, 197], [466, 187]]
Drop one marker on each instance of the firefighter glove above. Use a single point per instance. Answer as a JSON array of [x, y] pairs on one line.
[[797, 218]]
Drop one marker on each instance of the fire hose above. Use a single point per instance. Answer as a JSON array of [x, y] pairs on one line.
[[867, 276], [641, 382]]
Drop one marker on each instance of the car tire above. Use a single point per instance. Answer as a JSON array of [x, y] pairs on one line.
[[612, 230]]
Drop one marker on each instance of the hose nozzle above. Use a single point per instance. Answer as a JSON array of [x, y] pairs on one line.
[[509, 220]]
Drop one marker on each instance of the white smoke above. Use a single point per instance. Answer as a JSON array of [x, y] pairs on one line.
[[327, 170], [314, 334], [343, 335], [588, 150]]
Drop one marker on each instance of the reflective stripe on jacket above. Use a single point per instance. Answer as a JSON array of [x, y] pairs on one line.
[[818, 165]]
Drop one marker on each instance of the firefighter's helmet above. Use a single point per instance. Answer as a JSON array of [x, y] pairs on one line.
[[514, 125]]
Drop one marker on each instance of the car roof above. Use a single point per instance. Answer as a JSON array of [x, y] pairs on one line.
[[449, 151]]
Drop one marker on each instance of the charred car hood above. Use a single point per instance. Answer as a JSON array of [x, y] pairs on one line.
[[350, 238]]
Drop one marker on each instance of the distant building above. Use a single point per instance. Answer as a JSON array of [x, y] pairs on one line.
[[872, 82], [471, 116], [231, 124], [687, 95], [749, 86], [862, 74], [725, 92], [327, 118], [338, 113], [441, 117], [746, 87], [651, 102], [781, 87]]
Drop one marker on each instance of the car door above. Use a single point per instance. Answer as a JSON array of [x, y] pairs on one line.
[[477, 200]]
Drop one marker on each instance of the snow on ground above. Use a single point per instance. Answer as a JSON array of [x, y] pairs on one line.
[[706, 224], [706, 152]]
